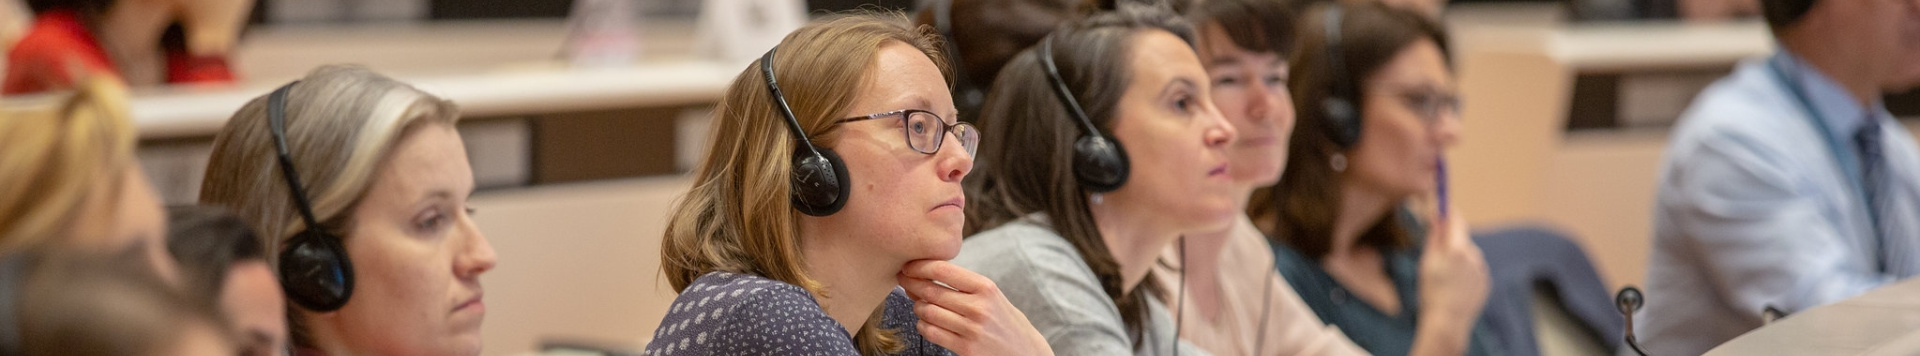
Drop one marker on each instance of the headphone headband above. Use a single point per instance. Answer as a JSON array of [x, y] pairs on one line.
[[1060, 89], [1336, 65], [1099, 164], [780, 101], [314, 270], [1339, 108], [276, 122]]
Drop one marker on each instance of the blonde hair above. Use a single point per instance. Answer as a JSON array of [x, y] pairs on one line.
[[340, 123], [56, 151], [738, 216]]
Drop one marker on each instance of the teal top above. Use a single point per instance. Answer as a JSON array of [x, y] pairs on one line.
[[1378, 332]]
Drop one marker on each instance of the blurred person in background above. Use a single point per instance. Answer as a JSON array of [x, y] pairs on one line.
[[1787, 185], [68, 179], [358, 186], [1350, 234], [981, 35], [143, 42], [223, 264], [84, 269], [84, 303]]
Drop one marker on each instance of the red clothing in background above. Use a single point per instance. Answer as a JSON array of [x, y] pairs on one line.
[[57, 50]]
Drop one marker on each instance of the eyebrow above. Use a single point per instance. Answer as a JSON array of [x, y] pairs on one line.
[[1179, 83], [437, 194]]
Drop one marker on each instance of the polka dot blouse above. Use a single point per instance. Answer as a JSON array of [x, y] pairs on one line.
[[725, 313]]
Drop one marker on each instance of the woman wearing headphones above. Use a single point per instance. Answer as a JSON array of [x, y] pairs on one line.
[[1234, 301], [827, 205], [1377, 106], [1106, 151], [358, 185]]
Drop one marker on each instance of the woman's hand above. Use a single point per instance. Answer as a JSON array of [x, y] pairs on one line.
[[1453, 274], [971, 317]]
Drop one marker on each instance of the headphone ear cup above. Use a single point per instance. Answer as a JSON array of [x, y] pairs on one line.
[[1343, 122], [1100, 164], [315, 272], [820, 183]]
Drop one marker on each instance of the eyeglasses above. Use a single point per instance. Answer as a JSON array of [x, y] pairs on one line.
[[926, 131], [1430, 104]]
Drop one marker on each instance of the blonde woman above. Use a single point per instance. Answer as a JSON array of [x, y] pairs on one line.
[[772, 257], [358, 186], [84, 268], [68, 179]]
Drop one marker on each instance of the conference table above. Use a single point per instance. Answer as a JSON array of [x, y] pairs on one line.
[[1883, 321]]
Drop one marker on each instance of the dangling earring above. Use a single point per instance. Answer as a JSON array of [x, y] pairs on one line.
[[1339, 162], [1096, 199]]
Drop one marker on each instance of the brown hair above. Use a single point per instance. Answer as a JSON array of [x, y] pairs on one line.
[[1253, 25], [340, 123], [56, 151], [208, 241], [1303, 206], [1027, 168], [738, 217]]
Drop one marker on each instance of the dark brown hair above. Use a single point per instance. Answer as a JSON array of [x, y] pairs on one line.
[[207, 241], [1253, 25], [1306, 203], [1027, 167]]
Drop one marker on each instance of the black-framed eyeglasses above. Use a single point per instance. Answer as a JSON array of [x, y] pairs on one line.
[[925, 131]]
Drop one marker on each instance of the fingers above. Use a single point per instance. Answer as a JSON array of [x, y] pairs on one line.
[[949, 273], [925, 291], [946, 319], [940, 336]]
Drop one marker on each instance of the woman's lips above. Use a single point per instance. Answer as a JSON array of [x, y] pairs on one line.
[[1220, 170], [958, 202], [472, 304]]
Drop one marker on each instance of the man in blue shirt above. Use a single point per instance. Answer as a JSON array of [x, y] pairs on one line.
[[1788, 184]]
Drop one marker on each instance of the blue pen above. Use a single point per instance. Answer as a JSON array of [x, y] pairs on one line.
[[1440, 178]]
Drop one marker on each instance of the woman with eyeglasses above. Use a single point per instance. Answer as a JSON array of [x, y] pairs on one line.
[[1360, 222], [827, 206]]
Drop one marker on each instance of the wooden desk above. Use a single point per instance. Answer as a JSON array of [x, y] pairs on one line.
[[537, 89], [1884, 321]]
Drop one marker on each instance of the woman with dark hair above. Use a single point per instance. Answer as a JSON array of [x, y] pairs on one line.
[[1377, 106], [223, 264], [1072, 231]]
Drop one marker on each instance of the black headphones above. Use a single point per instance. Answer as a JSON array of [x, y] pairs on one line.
[[1343, 117], [966, 95], [1099, 163], [820, 180], [314, 269]]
